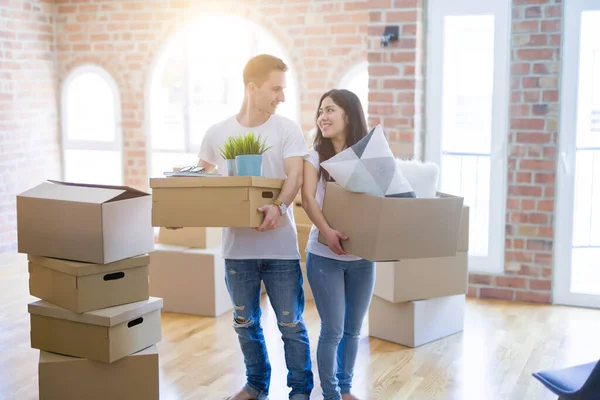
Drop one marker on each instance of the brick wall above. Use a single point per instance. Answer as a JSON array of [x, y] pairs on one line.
[[29, 150]]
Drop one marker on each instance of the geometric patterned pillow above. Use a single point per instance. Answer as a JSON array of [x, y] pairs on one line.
[[369, 167]]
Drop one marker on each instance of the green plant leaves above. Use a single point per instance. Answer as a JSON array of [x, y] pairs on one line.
[[242, 145]]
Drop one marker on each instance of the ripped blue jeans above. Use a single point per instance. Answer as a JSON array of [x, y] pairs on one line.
[[283, 283]]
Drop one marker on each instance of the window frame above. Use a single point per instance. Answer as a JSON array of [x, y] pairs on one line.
[[493, 263]]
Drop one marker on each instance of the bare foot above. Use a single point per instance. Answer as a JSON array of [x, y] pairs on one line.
[[348, 396], [241, 395]]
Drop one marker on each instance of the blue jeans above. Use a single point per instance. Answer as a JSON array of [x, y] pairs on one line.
[[283, 283], [342, 292]]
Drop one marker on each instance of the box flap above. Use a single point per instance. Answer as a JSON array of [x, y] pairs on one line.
[[227, 181], [76, 268], [79, 194], [105, 317], [127, 192], [47, 357]]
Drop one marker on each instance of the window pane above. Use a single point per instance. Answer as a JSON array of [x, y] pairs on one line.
[[93, 166], [468, 83], [588, 124], [164, 162], [358, 83], [90, 113], [168, 99], [469, 176]]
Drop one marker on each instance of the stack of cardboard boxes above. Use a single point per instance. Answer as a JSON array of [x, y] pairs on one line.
[[417, 301], [188, 272], [96, 326]]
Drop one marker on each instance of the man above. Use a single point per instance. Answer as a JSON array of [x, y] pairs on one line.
[[267, 253]]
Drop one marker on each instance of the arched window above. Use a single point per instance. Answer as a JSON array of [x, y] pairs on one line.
[[197, 82], [357, 81], [91, 127]]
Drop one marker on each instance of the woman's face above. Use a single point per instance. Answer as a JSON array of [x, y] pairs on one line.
[[332, 120]]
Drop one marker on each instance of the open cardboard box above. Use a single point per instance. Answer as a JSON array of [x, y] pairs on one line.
[[83, 222], [105, 335], [82, 287], [212, 201], [71, 378], [392, 229]]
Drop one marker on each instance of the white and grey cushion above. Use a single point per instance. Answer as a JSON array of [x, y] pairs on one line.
[[369, 167]]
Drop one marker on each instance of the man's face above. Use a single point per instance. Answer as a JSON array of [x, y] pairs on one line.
[[268, 96]]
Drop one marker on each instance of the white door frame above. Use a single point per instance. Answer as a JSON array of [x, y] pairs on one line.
[[565, 180]]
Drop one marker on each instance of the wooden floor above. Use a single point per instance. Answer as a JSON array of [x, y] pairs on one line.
[[502, 344]]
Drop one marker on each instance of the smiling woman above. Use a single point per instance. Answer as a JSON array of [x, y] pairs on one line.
[[197, 81]]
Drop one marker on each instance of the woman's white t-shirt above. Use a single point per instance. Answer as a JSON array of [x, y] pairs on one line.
[[313, 246]]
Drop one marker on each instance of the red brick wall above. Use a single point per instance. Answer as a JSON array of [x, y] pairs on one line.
[[29, 150]]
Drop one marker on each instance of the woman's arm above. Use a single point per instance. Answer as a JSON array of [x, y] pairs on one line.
[[314, 212]]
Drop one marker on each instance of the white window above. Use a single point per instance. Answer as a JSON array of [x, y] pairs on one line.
[[467, 115], [577, 242], [197, 82], [356, 80], [91, 127]]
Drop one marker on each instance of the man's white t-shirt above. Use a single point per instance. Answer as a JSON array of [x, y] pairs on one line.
[[287, 140], [314, 246]]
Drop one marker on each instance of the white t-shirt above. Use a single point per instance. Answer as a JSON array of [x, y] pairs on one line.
[[313, 245], [287, 140]]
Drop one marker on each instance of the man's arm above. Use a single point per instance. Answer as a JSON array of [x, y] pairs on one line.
[[294, 168], [208, 167]]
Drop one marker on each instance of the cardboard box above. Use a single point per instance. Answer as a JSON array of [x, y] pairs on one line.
[[89, 223], [200, 238], [308, 295], [416, 323], [105, 335], [190, 281], [300, 216], [82, 287], [303, 233], [463, 237], [231, 201], [392, 229], [422, 278], [70, 378]]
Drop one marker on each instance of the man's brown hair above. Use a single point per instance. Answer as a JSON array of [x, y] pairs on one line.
[[259, 67]]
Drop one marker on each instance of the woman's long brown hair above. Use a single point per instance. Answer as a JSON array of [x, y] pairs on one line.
[[356, 127]]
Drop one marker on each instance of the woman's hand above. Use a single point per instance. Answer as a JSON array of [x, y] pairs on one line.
[[333, 238]]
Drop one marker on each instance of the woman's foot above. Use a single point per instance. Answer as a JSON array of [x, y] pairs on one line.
[[349, 396], [241, 395]]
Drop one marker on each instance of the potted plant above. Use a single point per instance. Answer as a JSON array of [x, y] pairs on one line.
[[250, 150], [228, 152]]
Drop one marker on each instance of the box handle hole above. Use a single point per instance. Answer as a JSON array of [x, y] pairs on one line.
[[135, 322], [114, 276], [267, 195]]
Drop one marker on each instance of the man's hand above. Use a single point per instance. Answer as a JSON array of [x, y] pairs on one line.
[[333, 241], [272, 215]]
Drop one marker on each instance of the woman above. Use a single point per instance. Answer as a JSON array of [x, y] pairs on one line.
[[342, 284]]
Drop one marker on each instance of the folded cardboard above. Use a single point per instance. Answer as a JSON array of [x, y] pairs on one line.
[[135, 377], [231, 201], [89, 223], [416, 323], [303, 233], [463, 237], [105, 335], [200, 238], [82, 287], [190, 281], [392, 229], [422, 278]]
